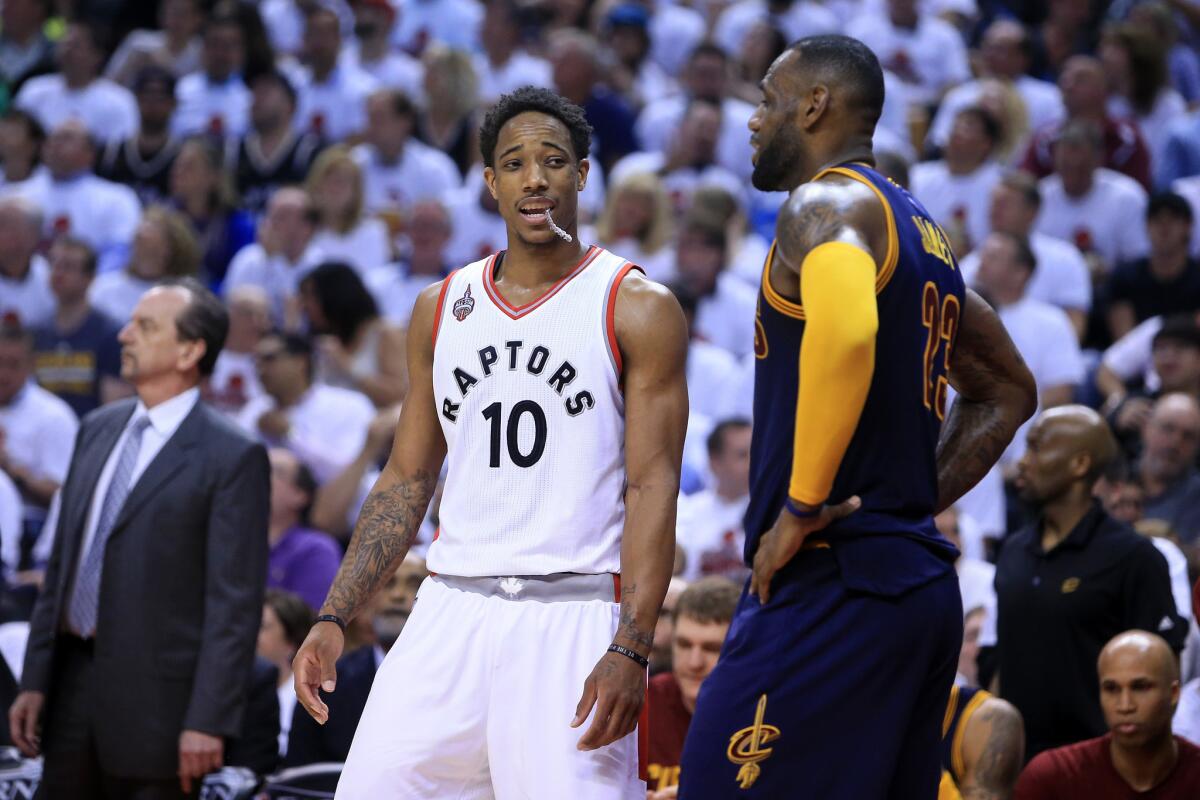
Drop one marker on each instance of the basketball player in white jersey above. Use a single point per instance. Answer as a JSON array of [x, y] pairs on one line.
[[551, 378]]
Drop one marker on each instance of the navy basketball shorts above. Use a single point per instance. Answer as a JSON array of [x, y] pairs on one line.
[[826, 692]]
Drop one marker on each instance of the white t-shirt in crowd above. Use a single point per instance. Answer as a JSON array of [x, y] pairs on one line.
[[726, 317], [203, 106], [28, 301], [102, 213], [681, 182], [421, 23], [395, 290], [982, 513], [478, 232], [658, 124], [675, 30], [116, 294], [933, 50], [1043, 105], [976, 582], [956, 199], [521, 69], [1060, 278], [1111, 217], [396, 70], [1168, 107], [659, 266], [1186, 722], [1189, 189], [805, 18], [365, 246], [1130, 356], [328, 427], [284, 21], [421, 173], [335, 108], [274, 274], [709, 529], [709, 370], [107, 109], [234, 382], [39, 432], [12, 526]]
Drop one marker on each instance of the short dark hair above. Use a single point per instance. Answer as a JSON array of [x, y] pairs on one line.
[[343, 297], [710, 229], [1169, 203], [541, 101], [1023, 184], [306, 482], [708, 48], [75, 243], [1022, 252], [845, 60], [716, 439], [892, 165], [991, 125], [17, 333], [279, 79], [688, 300], [203, 319], [708, 600], [294, 614], [152, 74], [32, 126], [295, 344], [1180, 329], [400, 103]]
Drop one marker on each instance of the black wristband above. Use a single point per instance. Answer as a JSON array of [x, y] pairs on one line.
[[625, 651], [334, 618]]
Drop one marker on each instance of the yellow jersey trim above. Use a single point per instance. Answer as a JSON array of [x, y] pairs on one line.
[[892, 256], [950, 707], [956, 754]]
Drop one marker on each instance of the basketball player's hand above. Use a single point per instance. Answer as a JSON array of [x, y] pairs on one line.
[[783, 541], [199, 754], [25, 722], [617, 688], [314, 668]]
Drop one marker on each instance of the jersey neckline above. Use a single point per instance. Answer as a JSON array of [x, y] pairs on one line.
[[516, 312]]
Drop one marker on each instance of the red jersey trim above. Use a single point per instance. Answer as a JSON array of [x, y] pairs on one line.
[[516, 312], [610, 315], [441, 303]]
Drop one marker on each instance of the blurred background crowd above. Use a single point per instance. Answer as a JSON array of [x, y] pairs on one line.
[[315, 162]]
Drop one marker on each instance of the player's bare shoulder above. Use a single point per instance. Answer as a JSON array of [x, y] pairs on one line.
[[648, 318], [833, 208]]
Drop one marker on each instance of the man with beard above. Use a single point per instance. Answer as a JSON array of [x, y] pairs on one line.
[[849, 631], [312, 743], [1071, 581]]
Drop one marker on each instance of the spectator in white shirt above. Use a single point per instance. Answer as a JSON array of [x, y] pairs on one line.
[[1041, 332], [504, 65], [926, 52], [956, 190], [283, 254], [371, 52], [637, 76], [21, 138], [1005, 53], [77, 92], [175, 46], [332, 92], [163, 248], [710, 369], [709, 525], [725, 305], [396, 286], [479, 229], [796, 18], [324, 425], [1103, 212], [707, 77], [25, 296], [344, 231], [37, 429], [454, 23], [1061, 278], [234, 381], [72, 199], [215, 99], [637, 223], [398, 170]]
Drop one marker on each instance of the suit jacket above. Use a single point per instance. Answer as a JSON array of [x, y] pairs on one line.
[[257, 746], [181, 590], [310, 743]]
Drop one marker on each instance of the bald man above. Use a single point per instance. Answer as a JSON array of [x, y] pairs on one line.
[[1167, 468], [1139, 689], [1070, 581]]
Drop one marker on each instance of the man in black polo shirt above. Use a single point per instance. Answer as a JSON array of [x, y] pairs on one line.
[[1070, 582]]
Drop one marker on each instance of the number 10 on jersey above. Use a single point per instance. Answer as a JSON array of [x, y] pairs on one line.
[[511, 432]]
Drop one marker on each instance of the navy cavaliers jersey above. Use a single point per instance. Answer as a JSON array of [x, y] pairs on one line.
[[890, 462], [964, 702]]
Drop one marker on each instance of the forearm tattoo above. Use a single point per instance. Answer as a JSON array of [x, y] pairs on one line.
[[973, 438], [628, 627], [387, 526], [999, 766]]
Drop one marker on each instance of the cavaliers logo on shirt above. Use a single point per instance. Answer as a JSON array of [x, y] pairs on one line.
[[748, 747], [464, 305]]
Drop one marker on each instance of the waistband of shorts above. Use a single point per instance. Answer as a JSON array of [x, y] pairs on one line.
[[557, 588]]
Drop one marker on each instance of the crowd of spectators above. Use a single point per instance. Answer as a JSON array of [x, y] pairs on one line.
[[315, 163]]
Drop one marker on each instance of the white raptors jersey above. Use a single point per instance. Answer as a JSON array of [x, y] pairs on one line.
[[530, 403]]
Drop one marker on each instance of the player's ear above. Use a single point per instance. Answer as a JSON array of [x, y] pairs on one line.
[[584, 166], [489, 177], [815, 105]]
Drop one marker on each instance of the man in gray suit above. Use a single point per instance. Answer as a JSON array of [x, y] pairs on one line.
[[142, 639]]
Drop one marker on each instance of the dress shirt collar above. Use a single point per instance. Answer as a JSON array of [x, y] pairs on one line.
[[167, 416]]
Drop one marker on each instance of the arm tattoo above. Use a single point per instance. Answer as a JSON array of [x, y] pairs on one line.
[[628, 626], [973, 438], [808, 224], [386, 528], [995, 774]]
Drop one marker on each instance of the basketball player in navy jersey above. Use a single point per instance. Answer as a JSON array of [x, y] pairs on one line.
[[834, 678], [550, 377]]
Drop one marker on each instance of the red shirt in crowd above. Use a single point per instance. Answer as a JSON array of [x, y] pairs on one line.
[[669, 721], [1085, 770]]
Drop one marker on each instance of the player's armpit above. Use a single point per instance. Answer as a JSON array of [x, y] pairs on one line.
[[993, 751], [996, 394]]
